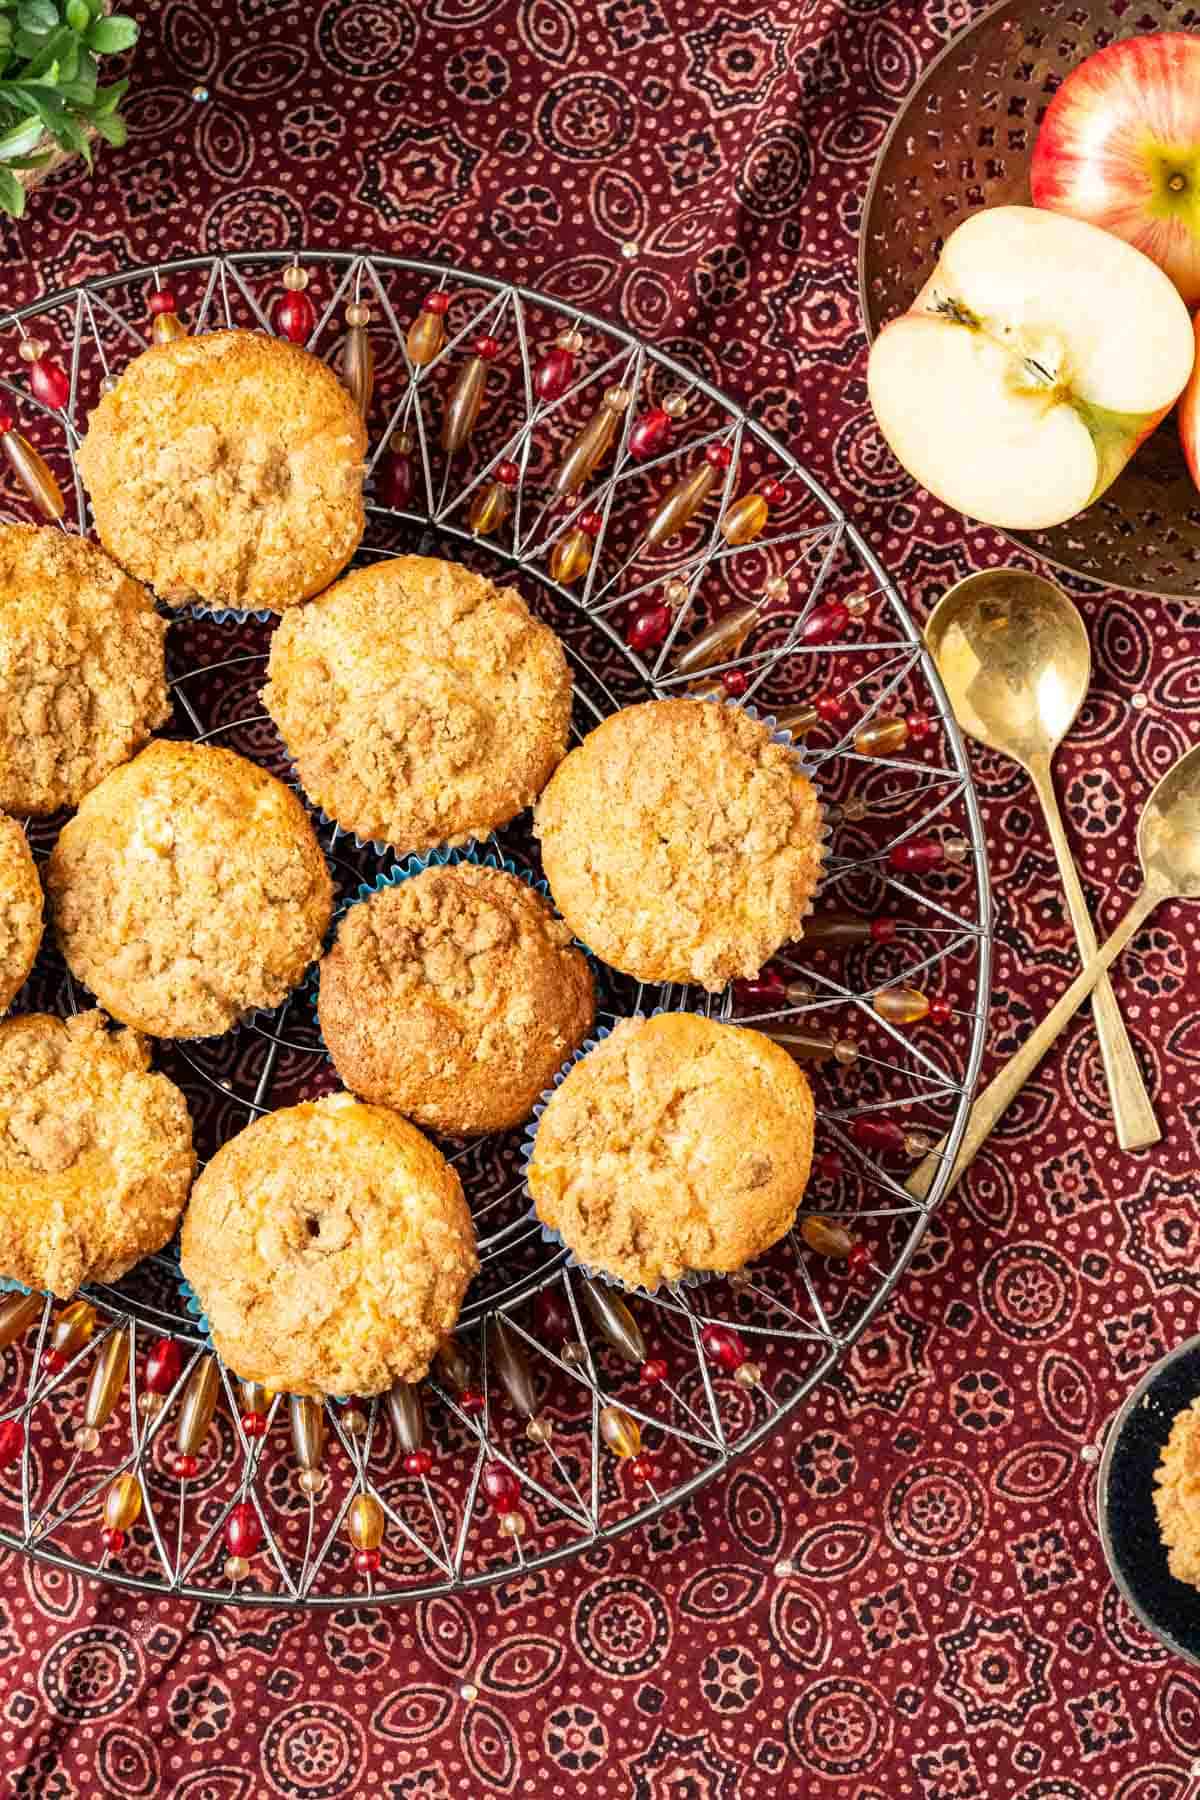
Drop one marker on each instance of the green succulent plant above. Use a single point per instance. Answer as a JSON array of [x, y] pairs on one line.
[[51, 98]]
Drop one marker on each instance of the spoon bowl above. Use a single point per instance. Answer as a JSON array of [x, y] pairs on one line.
[[1169, 832], [1013, 654]]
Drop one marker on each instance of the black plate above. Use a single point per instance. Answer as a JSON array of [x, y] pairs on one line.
[[1125, 1500]]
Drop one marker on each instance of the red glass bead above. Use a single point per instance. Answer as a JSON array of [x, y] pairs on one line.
[[859, 1258], [295, 316], [501, 1487], [112, 1540], [186, 1466], [418, 1462], [719, 455], [243, 1532], [163, 1365], [649, 628], [254, 1424], [916, 857], [643, 1468], [509, 473], [396, 484], [825, 623], [553, 375], [552, 1317], [832, 708], [591, 522], [653, 1371], [735, 682], [53, 1361], [438, 302], [471, 1400], [6, 423], [48, 383], [487, 347], [162, 300], [367, 1561], [919, 726], [723, 1347], [883, 931], [772, 491], [767, 985], [940, 1010], [649, 434], [877, 1134], [12, 1441], [829, 1166]]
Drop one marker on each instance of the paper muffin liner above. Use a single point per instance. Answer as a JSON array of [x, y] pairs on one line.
[[224, 615], [690, 1277]]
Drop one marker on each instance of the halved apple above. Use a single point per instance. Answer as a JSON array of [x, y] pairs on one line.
[[1038, 355]]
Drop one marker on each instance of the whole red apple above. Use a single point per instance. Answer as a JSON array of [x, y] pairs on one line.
[[1120, 148]]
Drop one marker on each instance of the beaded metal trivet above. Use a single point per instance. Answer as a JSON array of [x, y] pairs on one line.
[[676, 547]]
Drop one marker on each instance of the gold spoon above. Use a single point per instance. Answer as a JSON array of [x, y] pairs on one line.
[[1013, 654], [1169, 849]]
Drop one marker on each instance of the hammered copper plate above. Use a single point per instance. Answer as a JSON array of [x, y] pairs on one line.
[[963, 139]]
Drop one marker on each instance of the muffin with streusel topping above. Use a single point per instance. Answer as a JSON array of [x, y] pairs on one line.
[[20, 910], [454, 996]]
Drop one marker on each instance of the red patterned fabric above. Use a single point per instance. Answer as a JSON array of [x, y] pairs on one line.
[[903, 1594]]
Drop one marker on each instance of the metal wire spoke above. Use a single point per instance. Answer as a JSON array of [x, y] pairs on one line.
[[824, 620]]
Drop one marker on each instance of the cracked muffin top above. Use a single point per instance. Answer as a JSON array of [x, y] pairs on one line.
[[455, 997], [227, 468], [82, 668], [421, 705], [20, 910], [330, 1246], [95, 1152], [1177, 1495], [677, 1143], [189, 889], [681, 842]]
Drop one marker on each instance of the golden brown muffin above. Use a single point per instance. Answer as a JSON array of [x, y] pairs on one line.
[[227, 468], [20, 910], [1177, 1495], [330, 1246], [189, 889], [421, 704], [454, 997], [676, 1143], [95, 1152], [681, 843], [82, 674]]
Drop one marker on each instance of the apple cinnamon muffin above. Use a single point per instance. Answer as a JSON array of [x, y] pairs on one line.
[[330, 1246], [420, 704], [227, 468], [675, 1144], [95, 1152], [20, 910], [454, 997], [1177, 1495], [189, 889], [82, 668], [682, 842]]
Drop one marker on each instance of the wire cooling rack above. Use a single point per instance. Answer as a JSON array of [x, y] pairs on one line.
[[540, 1361]]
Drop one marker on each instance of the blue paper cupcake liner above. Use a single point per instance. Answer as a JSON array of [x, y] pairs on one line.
[[225, 615]]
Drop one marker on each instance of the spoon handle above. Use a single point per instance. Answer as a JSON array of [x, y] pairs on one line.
[[1133, 1114], [1003, 1090]]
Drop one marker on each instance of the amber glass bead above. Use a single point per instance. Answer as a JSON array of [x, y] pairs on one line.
[[680, 505], [901, 1005], [723, 1347], [308, 1430], [354, 1422], [32, 471], [236, 1568], [589, 446], [512, 1524], [243, 1530], [812, 1046], [614, 1320], [163, 1366], [539, 1429], [167, 328], [72, 1328], [825, 624], [512, 1366], [719, 642], [826, 1236], [554, 374], [12, 1441], [619, 1431], [916, 856], [426, 337], [836, 928], [798, 720], [407, 1414], [358, 361], [17, 1314], [571, 556], [453, 1365], [295, 278], [365, 1522], [198, 1406], [744, 519], [107, 1379], [881, 738], [123, 1503], [489, 509], [31, 348], [462, 408], [295, 316]]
